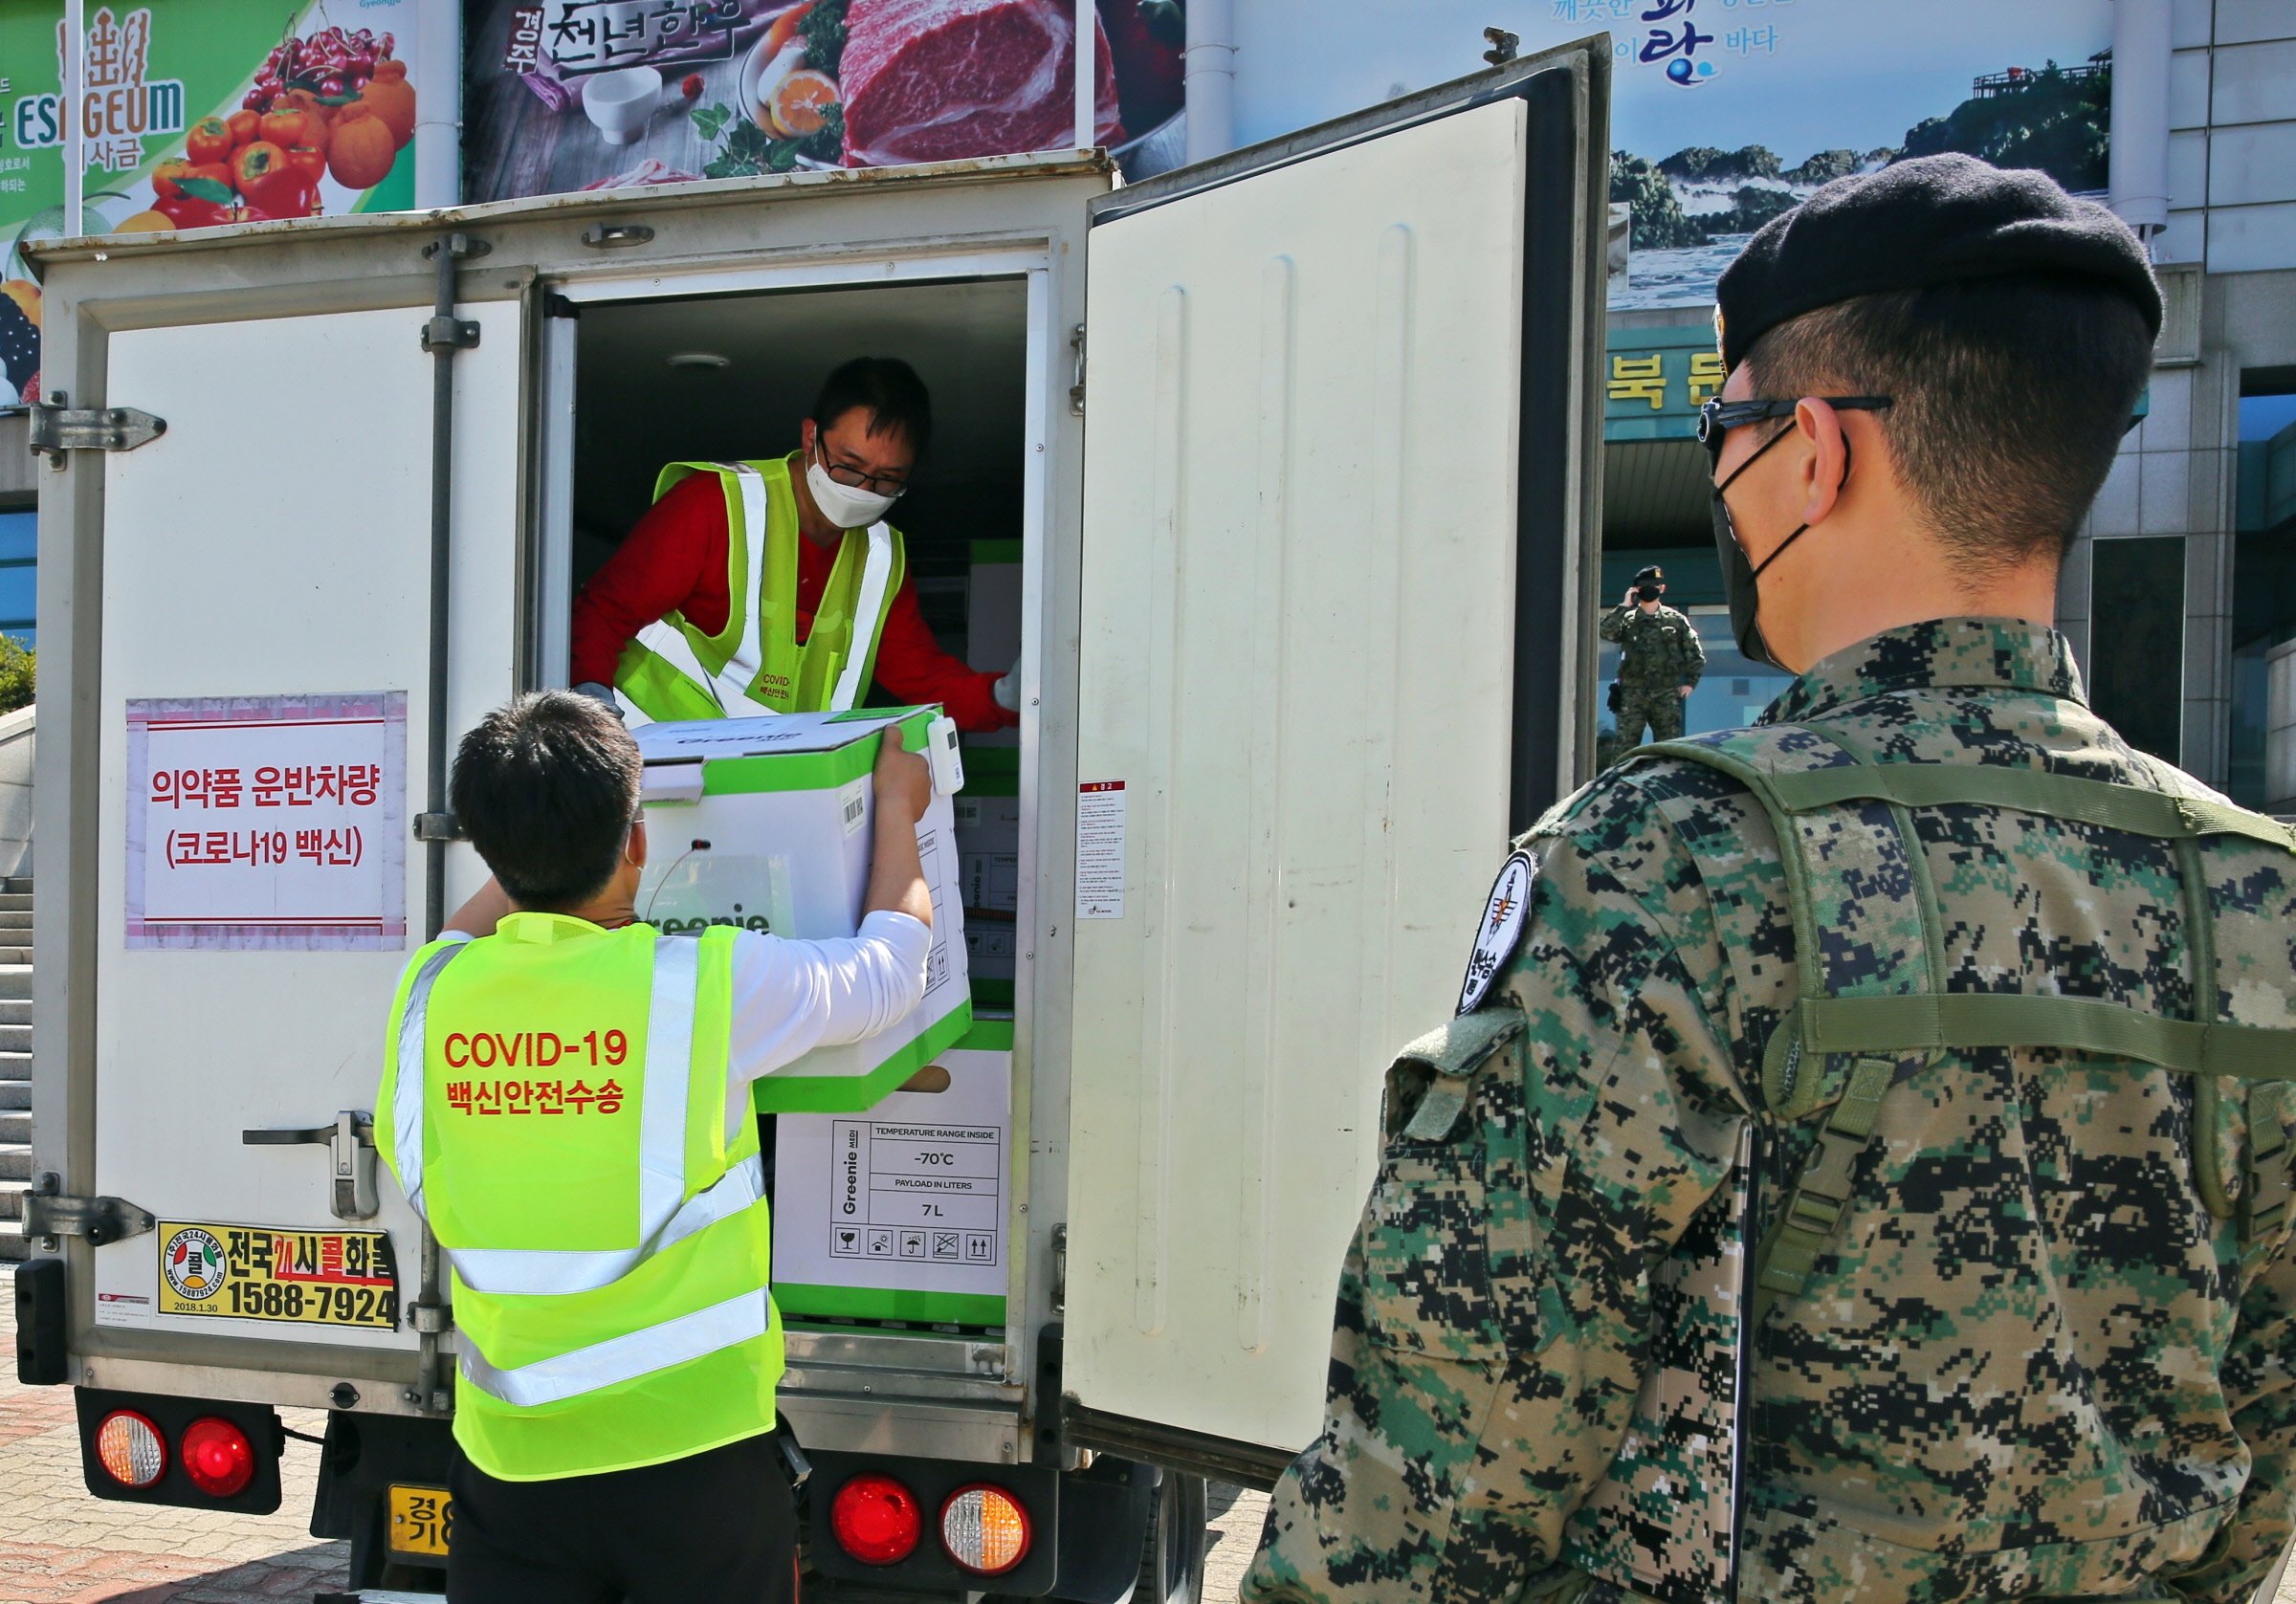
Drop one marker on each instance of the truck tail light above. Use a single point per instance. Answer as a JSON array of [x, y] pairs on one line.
[[984, 1529], [217, 1457], [876, 1520], [131, 1449]]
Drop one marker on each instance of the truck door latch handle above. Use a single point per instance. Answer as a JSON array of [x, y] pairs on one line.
[[351, 1144]]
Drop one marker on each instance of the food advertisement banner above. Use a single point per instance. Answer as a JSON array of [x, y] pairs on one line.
[[195, 113], [574, 95], [1724, 112]]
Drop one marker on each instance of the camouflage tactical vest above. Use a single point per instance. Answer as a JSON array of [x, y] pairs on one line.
[[1879, 1024]]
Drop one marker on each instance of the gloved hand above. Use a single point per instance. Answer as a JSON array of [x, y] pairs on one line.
[[600, 692], [1007, 690]]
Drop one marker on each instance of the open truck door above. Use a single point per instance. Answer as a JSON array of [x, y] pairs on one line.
[[243, 623], [1338, 573]]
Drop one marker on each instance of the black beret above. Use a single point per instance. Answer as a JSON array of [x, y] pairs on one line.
[[1650, 576], [1934, 220]]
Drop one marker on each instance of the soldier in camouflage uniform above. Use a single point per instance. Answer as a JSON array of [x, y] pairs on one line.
[[1660, 659], [1910, 1067]]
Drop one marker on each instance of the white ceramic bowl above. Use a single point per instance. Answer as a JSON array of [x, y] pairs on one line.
[[621, 102]]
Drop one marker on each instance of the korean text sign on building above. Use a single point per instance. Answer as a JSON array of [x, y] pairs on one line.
[[271, 821]]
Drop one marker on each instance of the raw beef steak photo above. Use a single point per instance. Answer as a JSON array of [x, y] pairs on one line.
[[936, 81]]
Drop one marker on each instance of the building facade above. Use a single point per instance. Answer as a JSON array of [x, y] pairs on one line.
[[2179, 594]]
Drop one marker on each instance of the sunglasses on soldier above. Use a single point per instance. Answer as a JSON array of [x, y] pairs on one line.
[[1718, 417]]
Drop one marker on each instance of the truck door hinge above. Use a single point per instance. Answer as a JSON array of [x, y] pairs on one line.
[[51, 1214], [1076, 389], [449, 334], [351, 1144], [1060, 1269], [56, 428], [438, 826]]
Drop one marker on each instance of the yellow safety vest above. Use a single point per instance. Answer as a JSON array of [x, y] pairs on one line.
[[554, 1104], [671, 670]]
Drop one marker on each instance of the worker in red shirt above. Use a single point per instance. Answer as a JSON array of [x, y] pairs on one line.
[[756, 587]]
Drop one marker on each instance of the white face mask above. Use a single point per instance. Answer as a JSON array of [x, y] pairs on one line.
[[843, 505]]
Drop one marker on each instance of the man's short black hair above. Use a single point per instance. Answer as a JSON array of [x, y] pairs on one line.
[[2010, 396], [890, 388], [547, 788]]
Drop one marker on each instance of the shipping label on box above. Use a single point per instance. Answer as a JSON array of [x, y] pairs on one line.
[[899, 1213], [765, 823]]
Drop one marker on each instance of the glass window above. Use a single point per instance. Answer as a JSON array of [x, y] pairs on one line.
[[16, 593], [19, 536], [2264, 598], [2136, 665]]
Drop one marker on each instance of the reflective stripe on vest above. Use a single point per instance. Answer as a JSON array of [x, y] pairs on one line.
[[543, 1271], [743, 1318], [671, 670], [874, 572], [407, 1100]]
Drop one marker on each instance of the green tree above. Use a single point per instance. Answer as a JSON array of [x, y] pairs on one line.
[[18, 664], [2054, 120]]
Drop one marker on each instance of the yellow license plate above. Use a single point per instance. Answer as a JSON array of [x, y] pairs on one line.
[[257, 1272], [422, 1519]]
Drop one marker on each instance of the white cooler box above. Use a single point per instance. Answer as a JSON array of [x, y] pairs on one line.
[[765, 823]]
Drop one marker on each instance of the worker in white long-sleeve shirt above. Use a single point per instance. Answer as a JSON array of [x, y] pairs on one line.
[[566, 1103]]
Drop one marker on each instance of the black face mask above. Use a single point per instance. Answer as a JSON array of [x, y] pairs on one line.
[[1739, 576]]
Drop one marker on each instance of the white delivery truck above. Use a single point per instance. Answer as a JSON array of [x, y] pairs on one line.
[[1279, 476]]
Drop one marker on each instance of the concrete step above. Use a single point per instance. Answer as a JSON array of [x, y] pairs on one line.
[[16, 1095], [15, 1037], [21, 883], [15, 981], [20, 921], [14, 954], [13, 900], [15, 1010], [12, 1199], [15, 1126], [15, 1245], [15, 1161]]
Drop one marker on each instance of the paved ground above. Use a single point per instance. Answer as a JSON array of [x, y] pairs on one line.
[[1235, 1534], [60, 1545]]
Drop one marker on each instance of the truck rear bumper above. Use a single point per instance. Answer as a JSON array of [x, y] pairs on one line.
[[279, 1388]]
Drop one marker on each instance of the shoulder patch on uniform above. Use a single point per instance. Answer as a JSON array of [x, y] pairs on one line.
[[1505, 913]]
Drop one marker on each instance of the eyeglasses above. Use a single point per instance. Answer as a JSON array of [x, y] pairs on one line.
[[1718, 417], [854, 478]]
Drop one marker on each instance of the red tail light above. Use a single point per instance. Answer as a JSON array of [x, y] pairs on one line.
[[876, 1520], [131, 1449], [217, 1457]]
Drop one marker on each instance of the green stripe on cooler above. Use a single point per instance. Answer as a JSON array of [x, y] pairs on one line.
[[851, 1095], [799, 1299]]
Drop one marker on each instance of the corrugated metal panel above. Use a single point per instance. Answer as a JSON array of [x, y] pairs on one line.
[[1654, 493]]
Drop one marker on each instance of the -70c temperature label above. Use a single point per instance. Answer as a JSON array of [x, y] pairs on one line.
[[929, 1193]]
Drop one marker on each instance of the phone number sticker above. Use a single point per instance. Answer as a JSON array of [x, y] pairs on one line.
[[258, 1272]]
